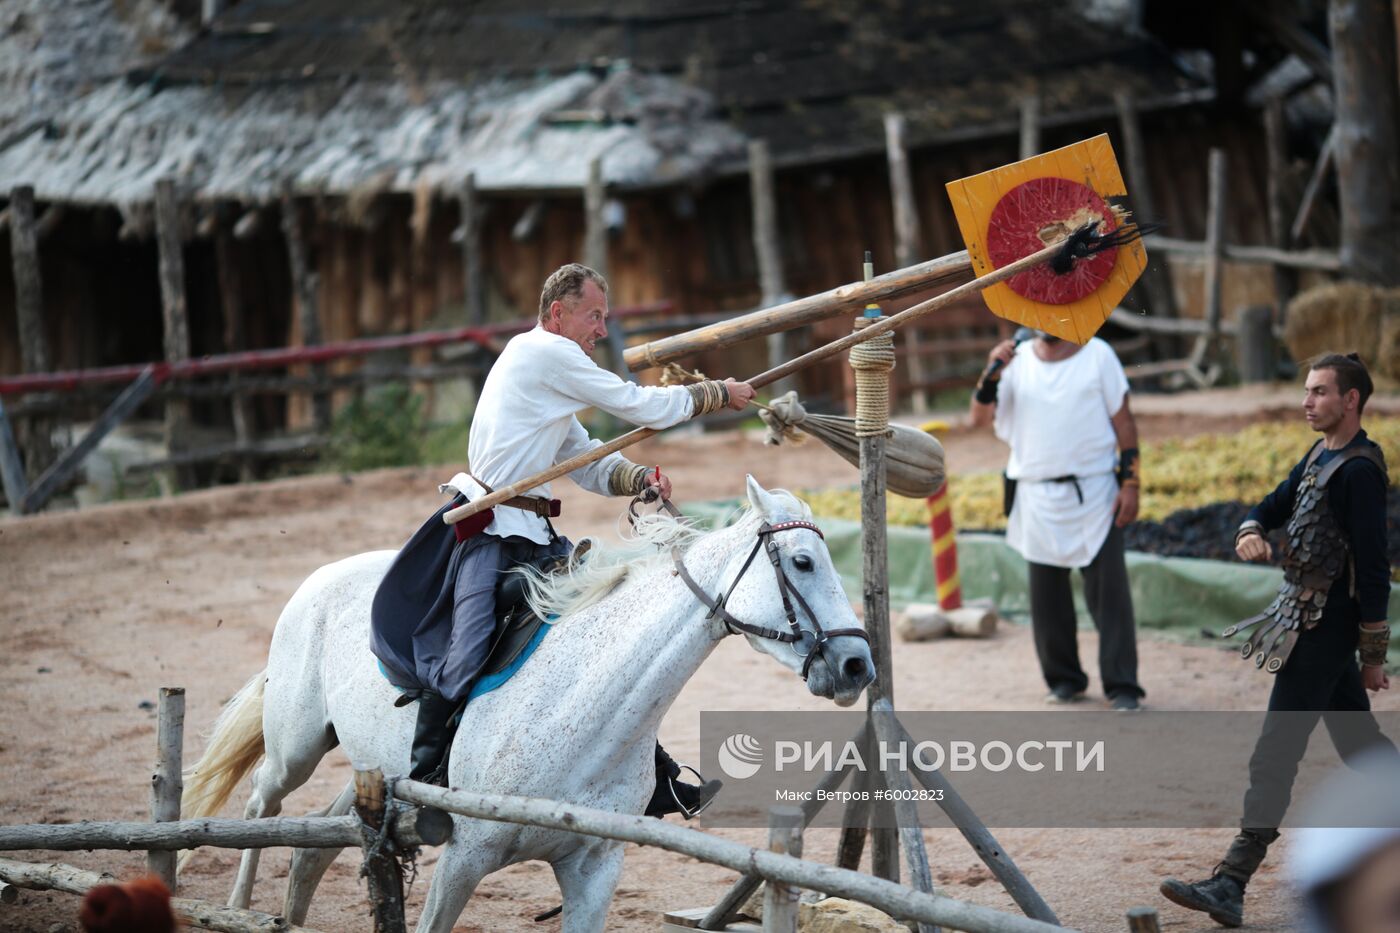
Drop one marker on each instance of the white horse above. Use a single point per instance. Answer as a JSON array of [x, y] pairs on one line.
[[577, 723]]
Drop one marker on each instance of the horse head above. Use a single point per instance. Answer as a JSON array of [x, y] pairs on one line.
[[802, 618]]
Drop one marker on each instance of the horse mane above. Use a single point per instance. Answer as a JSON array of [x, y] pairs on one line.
[[608, 566]]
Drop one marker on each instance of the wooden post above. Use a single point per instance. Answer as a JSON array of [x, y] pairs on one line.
[[1254, 343], [9, 894], [475, 293], [1157, 279], [381, 868], [209, 9], [1368, 137], [1215, 253], [167, 783], [1143, 920], [767, 246], [171, 255], [595, 228], [911, 833], [779, 899], [1030, 125], [305, 283], [11, 466], [1276, 141], [906, 241], [231, 301], [36, 432]]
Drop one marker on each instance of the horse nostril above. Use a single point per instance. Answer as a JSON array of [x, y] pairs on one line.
[[854, 668]]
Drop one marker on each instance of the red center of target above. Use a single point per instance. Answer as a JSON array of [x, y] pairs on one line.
[[1035, 214]]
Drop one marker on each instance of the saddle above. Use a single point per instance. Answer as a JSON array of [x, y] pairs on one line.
[[516, 623]]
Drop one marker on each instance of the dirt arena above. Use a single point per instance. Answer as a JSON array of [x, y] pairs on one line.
[[103, 607]]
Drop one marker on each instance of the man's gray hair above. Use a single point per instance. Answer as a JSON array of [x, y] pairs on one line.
[[566, 282]]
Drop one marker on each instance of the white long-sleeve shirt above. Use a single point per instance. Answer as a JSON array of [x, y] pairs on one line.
[[526, 422]]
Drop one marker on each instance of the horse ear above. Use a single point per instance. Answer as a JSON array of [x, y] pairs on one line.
[[759, 498]]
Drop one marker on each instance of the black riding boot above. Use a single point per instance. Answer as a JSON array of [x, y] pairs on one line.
[[432, 738], [673, 796], [1222, 894]]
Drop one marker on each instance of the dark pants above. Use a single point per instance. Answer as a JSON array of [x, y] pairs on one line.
[[1111, 606], [1320, 681]]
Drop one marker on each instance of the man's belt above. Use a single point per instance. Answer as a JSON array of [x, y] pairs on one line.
[[544, 508]]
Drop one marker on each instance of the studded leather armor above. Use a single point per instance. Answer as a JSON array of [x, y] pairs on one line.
[[1316, 554]]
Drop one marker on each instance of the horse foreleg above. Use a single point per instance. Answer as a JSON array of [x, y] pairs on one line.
[[309, 865], [587, 878], [464, 862]]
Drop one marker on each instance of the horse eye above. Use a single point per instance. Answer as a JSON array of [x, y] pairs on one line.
[[802, 562]]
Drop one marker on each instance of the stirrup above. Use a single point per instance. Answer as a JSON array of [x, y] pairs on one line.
[[685, 811]]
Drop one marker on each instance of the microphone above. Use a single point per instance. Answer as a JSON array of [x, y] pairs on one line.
[[1021, 336]]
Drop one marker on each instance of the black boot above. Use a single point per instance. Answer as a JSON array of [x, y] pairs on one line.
[[673, 796], [432, 737], [1220, 896]]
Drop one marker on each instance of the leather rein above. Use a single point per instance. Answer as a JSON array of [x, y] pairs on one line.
[[717, 604]]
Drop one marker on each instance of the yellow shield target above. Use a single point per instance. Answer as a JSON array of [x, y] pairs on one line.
[[1015, 210]]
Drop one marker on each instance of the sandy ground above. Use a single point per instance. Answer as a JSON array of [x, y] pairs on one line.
[[104, 606]]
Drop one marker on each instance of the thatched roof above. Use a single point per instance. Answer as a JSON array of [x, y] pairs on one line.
[[342, 96]]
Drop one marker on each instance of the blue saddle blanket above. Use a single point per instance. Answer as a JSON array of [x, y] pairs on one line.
[[490, 682]]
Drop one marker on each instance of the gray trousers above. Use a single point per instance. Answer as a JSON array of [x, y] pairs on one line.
[[1110, 604]]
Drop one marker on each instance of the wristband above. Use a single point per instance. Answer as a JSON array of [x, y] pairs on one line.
[[987, 391], [710, 395], [1373, 644], [1128, 466], [627, 479], [1250, 527]]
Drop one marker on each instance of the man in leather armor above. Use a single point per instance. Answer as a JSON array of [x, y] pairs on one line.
[[434, 614], [1333, 600]]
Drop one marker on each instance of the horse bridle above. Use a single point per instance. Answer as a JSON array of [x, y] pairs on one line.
[[789, 593]]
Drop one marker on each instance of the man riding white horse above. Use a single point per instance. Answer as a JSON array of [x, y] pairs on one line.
[[434, 614]]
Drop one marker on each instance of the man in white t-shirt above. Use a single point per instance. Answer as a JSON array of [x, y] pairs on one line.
[[1072, 478], [433, 616]]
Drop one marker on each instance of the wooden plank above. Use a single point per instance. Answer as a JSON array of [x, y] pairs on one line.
[[472, 267], [907, 240], [11, 467], [305, 283], [36, 435], [1321, 260], [63, 468], [1205, 347], [167, 782], [1314, 185], [175, 319]]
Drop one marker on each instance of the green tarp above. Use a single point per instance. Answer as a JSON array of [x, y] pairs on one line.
[[1181, 595]]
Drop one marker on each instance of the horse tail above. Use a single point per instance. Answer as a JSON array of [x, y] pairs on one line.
[[235, 746]]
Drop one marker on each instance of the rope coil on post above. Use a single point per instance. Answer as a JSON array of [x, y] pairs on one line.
[[872, 362]]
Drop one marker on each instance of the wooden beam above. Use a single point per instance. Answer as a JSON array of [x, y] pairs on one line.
[[1368, 138], [1151, 324], [1314, 185], [899, 902], [305, 285], [1207, 344], [167, 782], [247, 226], [175, 318], [1157, 279], [595, 228], [64, 467], [235, 341], [381, 865], [767, 244], [472, 270], [36, 440], [199, 915], [1320, 260], [843, 300], [1276, 142], [1030, 126], [911, 834], [907, 243]]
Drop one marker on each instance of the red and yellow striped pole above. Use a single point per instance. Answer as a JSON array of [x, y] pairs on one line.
[[945, 547]]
